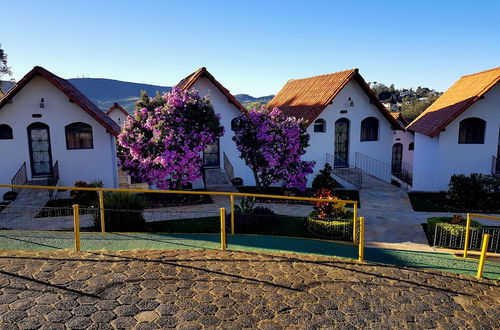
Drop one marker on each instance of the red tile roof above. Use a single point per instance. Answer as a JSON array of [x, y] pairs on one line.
[[74, 95], [307, 98], [399, 116], [458, 98], [189, 81], [119, 107]]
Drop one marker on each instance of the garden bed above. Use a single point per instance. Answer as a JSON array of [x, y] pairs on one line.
[[448, 232], [438, 202], [154, 200], [343, 194]]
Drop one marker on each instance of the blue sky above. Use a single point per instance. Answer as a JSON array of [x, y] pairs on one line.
[[254, 47]]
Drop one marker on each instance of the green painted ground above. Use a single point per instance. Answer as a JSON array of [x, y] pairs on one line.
[[22, 240]]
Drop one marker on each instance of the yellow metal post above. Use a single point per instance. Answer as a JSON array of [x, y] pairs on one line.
[[467, 235], [232, 213], [361, 251], [354, 223], [222, 228], [76, 223], [484, 248], [101, 211]]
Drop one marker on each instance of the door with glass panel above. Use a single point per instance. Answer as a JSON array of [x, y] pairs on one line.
[[341, 153], [39, 148], [211, 155]]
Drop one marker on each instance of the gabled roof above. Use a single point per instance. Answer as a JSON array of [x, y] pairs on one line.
[[399, 116], [189, 81], [458, 98], [307, 98], [119, 108], [74, 95]]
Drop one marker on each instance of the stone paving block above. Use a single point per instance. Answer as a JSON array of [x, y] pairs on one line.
[[210, 289]]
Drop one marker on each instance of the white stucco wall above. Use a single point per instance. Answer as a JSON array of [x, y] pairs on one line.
[[118, 116], [436, 159], [228, 112], [98, 163], [323, 143]]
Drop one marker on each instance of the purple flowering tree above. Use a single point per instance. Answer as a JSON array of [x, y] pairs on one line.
[[162, 144], [272, 145]]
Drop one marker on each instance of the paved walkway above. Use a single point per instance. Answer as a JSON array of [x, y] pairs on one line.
[[390, 219], [191, 289]]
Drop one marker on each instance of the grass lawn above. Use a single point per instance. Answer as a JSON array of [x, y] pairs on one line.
[[280, 226], [431, 202], [437, 202]]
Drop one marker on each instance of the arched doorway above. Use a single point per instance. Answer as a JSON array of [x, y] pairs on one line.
[[341, 153], [40, 150], [397, 158]]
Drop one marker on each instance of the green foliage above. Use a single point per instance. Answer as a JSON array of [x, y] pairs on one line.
[[123, 212], [469, 192], [4, 69], [328, 210], [330, 229], [250, 218], [411, 107], [324, 179], [449, 224], [246, 206]]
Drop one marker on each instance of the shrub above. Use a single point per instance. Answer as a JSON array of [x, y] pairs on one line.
[[470, 191], [454, 225], [328, 210], [330, 228], [250, 217], [85, 197], [324, 179], [123, 212]]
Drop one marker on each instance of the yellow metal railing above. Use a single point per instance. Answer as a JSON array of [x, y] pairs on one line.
[[231, 196], [467, 228], [485, 240]]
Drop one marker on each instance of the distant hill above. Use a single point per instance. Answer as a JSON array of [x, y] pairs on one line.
[[105, 92], [249, 101]]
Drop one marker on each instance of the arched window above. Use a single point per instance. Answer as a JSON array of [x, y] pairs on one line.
[[369, 129], [79, 136], [6, 132], [471, 131], [320, 126], [411, 146], [234, 122]]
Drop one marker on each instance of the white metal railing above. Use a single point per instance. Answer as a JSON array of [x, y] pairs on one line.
[[228, 167], [374, 167]]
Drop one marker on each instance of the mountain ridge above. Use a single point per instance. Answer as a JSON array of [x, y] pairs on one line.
[[104, 92]]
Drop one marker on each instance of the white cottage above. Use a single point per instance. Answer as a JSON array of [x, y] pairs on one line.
[[349, 127], [51, 132], [459, 133], [221, 156], [118, 114]]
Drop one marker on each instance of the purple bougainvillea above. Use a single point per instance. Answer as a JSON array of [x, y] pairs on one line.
[[272, 145], [162, 144]]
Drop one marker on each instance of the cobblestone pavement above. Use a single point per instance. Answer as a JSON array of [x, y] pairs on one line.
[[225, 289]]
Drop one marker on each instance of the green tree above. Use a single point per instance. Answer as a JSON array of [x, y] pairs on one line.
[[4, 69]]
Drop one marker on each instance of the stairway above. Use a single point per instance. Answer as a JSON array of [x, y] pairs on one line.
[[217, 180], [32, 198]]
